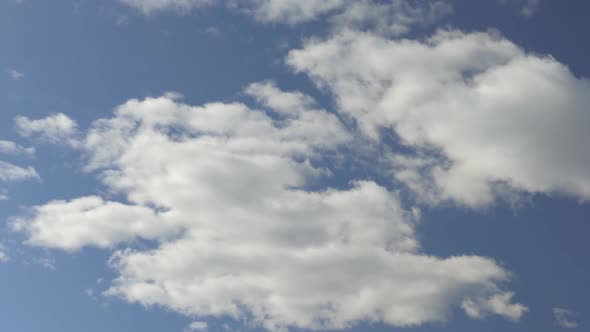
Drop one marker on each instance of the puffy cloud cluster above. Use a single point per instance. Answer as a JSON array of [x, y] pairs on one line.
[[482, 116], [222, 193], [226, 196]]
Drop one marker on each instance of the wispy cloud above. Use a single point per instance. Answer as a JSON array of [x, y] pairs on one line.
[[9, 147], [197, 326], [213, 31], [3, 256], [530, 8], [15, 74], [564, 318], [13, 173]]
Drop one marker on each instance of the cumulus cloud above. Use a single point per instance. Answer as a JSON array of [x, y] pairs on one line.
[[564, 318], [481, 115], [246, 237], [9, 147], [90, 221], [55, 129]]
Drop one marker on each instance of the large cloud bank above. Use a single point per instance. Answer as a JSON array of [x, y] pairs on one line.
[[220, 189]]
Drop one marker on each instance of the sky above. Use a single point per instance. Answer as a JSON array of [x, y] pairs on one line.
[[294, 165]]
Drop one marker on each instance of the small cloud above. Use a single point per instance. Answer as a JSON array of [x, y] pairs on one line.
[[121, 19], [196, 326], [13, 173], [213, 31], [54, 129], [47, 262], [8, 147], [530, 8], [564, 318], [3, 195], [3, 256], [150, 7], [115, 15], [15, 74]]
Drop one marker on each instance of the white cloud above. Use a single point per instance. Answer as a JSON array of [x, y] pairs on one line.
[[151, 6], [393, 18], [285, 11], [527, 8], [483, 115], [197, 326], [15, 74], [497, 304], [90, 221], [254, 243], [214, 31], [530, 8], [11, 173], [55, 129], [9, 147], [290, 11], [294, 103], [3, 256], [47, 262], [564, 318]]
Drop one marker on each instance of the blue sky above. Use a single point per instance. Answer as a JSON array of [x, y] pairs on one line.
[[272, 165]]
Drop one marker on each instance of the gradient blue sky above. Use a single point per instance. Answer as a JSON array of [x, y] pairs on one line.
[[83, 58]]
